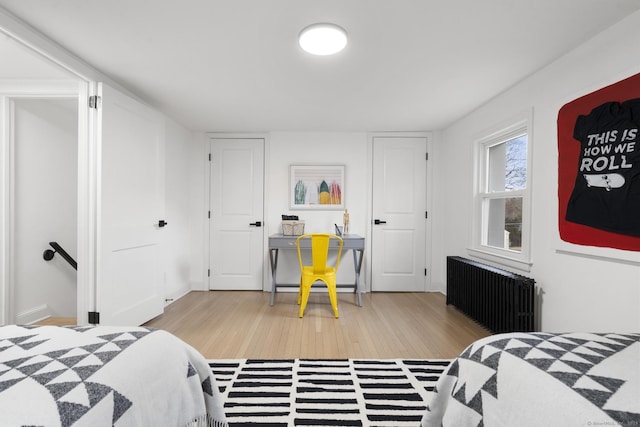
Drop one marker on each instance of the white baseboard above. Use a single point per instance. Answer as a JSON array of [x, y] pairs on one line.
[[176, 295], [33, 315]]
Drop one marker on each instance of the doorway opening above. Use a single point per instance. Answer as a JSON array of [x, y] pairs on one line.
[[45, 158]]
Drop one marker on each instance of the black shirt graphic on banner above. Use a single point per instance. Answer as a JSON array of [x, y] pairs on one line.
[[606, 194]]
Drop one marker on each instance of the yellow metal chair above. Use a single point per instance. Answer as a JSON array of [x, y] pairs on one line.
[[319, 270]]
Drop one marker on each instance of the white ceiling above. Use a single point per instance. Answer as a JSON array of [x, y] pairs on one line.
[[234, 65]]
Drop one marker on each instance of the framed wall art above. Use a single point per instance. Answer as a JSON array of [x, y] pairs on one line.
[[599, 168], [319, 187]]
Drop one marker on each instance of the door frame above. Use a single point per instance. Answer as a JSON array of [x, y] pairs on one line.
[[428, 188], [9, 92], [266, 275]]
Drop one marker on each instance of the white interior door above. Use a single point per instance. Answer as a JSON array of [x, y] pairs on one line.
[[398, 244], [131, 203], [236, 214]]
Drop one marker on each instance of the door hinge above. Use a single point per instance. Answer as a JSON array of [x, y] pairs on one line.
[[209, 214], [209, 156], [427, 156], [95, 101], [209, 272], [425, 272], [426, 214], [94, 317]]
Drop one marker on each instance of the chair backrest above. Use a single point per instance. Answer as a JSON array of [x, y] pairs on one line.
[[320, 244]]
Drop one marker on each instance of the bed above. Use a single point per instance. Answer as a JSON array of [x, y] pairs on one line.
[[104, 376], [541, 379]]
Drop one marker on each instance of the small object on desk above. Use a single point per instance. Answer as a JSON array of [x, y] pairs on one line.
[[345, 220], [292, 226], [338, 230]]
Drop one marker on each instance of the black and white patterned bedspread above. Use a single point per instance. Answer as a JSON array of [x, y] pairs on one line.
[[541, 379], [103, 376]]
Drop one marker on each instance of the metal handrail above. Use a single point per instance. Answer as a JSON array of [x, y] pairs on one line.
[[48, 254]]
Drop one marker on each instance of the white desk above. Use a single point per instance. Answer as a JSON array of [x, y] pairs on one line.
[[351, 242]]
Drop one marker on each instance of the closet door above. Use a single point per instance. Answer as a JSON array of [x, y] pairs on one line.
[[236, 214], [130, 207], [398, 243]]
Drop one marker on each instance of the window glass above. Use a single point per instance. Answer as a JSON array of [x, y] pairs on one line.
[[507, 169], [504, 223]]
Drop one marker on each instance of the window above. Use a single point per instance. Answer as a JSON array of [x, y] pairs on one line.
[[501, 231]]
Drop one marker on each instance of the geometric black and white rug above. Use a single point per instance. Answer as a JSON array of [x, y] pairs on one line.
[[345, 392]]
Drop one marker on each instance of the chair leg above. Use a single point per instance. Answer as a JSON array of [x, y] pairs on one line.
[[333, 297], [303, 298]]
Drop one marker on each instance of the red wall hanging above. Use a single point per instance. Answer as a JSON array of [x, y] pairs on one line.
[[599, 167]]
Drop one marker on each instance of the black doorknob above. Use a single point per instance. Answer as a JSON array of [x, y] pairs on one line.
[[162, 223], [377, 221], [257, 223]]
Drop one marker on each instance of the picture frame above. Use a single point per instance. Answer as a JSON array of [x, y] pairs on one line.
[[316, 187]]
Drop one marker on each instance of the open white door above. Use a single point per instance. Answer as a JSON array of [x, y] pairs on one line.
[[398, 244], [130, 207]]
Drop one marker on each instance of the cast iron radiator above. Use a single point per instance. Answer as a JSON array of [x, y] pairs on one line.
[[499, 300]]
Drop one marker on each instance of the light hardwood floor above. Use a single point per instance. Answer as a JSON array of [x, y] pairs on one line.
[[57, 321], [241, 324]]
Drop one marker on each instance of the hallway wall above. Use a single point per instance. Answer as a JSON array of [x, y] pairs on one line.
[[45, 207]]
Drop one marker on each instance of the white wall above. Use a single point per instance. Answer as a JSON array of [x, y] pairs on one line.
[[579, 293], [198, 206], [45, 207], [287, 148], [283, 149], [176, 243]]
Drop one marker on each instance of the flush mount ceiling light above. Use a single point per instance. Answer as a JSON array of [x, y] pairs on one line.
[[323, 39]]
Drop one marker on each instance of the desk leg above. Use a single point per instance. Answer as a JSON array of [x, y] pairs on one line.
[[273, 261], [357, 264]]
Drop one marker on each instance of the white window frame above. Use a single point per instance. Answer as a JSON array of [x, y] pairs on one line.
[[521, 260]]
